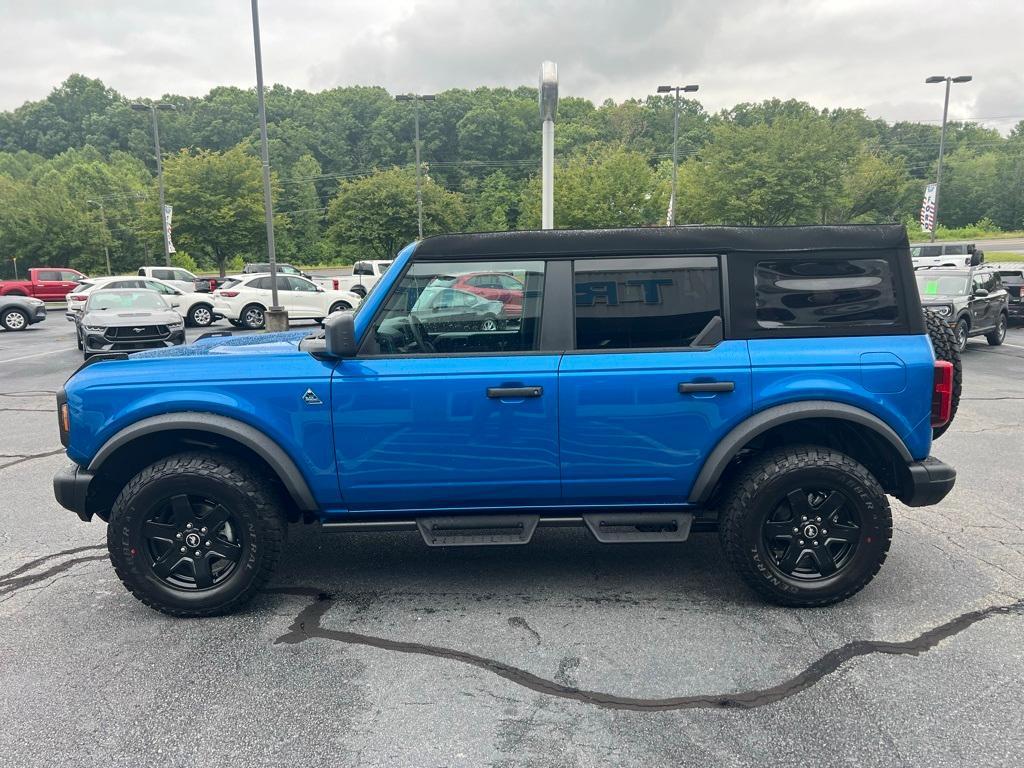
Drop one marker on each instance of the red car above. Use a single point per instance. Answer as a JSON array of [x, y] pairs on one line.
[[46, 283], [494, 286]]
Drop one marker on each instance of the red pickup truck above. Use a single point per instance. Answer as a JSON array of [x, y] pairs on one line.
[[46, 283]]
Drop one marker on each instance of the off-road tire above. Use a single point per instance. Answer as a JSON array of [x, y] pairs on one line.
[[966, 324], [10, 320], [945, 348], [998, 336], [238, 487], [756, 492]]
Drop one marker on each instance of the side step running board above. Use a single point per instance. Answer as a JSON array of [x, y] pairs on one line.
[[477, 530], [625, 528]]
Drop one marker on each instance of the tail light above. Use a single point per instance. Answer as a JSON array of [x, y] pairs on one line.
[[227, 294], [76, 297], [337, 285], [942, 393]]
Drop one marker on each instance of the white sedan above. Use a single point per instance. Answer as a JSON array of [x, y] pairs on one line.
[[196, 308], [244, 299]]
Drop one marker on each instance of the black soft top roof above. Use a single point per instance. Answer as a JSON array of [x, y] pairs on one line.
[[652, 240]]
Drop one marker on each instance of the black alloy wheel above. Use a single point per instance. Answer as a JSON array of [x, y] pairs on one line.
[[812, 534], [192, 542]]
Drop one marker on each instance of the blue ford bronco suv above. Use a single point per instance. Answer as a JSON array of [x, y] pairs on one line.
[[773, 384]]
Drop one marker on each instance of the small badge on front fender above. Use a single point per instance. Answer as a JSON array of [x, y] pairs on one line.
[[310, 398]]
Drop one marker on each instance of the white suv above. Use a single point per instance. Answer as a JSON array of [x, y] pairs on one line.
[[243, 299]]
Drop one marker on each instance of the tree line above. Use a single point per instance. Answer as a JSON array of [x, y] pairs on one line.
[[77, 171]]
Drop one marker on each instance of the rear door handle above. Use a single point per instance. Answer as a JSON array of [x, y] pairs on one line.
[[514, 392], [706, 386]]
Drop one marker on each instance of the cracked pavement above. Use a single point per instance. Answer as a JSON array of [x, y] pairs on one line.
[[372, 649]]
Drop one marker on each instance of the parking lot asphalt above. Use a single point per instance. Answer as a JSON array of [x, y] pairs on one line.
[[374, 650]]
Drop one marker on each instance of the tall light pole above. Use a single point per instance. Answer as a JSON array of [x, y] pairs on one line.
[[416, 98], [152, 108], [547, 97], [675, 144], [103, 218], [942, 138], [276, 318]]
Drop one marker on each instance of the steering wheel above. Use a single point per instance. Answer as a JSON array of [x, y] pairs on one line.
[[419, 333]]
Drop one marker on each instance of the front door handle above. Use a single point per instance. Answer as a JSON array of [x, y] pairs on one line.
[[706, 386], [514, 392]]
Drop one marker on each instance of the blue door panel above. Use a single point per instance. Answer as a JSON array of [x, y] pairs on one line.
[[888, 376], [422, 433], [626, 432]]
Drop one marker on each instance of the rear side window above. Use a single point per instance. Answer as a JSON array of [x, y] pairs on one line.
[[646, 303], [955, 250], [362, 268], [163, 274], [815, 293]]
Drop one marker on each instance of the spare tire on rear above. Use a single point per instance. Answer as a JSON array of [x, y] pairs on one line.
[[945, 347]]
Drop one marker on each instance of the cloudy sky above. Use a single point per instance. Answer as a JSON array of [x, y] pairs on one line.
[[873, 54]]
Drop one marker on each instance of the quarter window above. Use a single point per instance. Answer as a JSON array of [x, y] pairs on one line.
[[425, 315], [812, 293], [641, 303]]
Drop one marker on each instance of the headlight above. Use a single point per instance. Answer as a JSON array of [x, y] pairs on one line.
[[176, 324], [95, 328], [943, 310]]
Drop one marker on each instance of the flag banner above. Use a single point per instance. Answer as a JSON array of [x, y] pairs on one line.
[[168, 211], [928, 209]]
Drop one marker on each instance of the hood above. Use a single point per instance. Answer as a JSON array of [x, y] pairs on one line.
[[941, 298], [252, 344], [120, 319]]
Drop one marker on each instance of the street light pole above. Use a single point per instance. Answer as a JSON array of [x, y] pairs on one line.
[[103, 218], [152, 108], [942, 139], [416, 98], [548, 97], [675, 144]]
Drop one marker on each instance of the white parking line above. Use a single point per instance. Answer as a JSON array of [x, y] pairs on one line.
[[26, 357]]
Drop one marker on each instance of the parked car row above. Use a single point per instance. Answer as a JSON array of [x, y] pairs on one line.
[[973, 301]]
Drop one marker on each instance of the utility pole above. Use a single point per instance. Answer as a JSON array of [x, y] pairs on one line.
[[152, 108], [675, 144], [276, 318], [548, 98], [942, 138], [416, 98], [103, 218]]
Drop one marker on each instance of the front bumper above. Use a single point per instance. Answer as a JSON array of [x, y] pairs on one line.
[[927, 482], [98, 342], [38, 314], [71, 488], [1016, 309]]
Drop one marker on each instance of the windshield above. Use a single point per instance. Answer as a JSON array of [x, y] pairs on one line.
[[120, 300], [1013, 277], [941, 285]]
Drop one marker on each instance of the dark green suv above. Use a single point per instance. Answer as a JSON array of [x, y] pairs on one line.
[[973, 301]]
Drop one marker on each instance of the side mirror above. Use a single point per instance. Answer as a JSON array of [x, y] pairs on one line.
[[980, 293], [340, 335]]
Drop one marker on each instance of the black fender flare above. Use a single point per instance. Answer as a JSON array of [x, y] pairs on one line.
[[252, 438], [761, 422]]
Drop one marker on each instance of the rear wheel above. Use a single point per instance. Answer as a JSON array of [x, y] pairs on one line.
[[253, 317], [945, 347], [201, 315], [14, 320], [196, 534], [340, 306], [805, 526], [996, 337]]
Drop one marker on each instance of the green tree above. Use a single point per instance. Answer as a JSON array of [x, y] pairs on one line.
[[302, 205], [615, 187], [495, 205], [376, 215], [218, 204]]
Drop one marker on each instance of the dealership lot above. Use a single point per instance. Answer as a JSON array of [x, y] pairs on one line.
[[372, 649]]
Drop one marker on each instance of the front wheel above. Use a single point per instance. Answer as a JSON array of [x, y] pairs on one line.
[[196, 534], [805, 526], [253, 318], [489, 324], [961, 331], [201, 315], [14, 320], [998, 336]]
